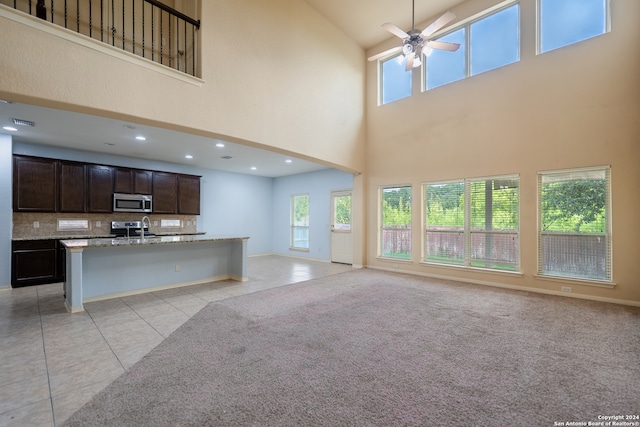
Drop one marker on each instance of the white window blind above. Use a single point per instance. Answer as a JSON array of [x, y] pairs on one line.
[[473, 222], [493, 240], [574, 233], [445, 223], [300, 221], [395, 222]]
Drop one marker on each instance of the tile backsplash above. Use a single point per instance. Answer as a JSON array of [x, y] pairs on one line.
[[40, 225]]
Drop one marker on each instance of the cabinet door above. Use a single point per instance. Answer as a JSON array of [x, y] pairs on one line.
[[34, 184], [34, 262], [100, 186], [72, 191], [165, 193], [188, 195], [142, 182], [122, 182]]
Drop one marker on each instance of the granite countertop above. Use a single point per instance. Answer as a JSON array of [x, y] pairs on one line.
[[63, 237], [99, 236], [123, 241]]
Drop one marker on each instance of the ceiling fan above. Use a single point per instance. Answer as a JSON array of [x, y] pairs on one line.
[[416, 42]]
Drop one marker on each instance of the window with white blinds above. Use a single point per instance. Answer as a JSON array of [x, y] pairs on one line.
[[473, 223], [574, 232], [300, 221], [395, 222]]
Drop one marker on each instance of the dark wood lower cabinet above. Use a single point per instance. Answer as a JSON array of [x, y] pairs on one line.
[[37, 262]]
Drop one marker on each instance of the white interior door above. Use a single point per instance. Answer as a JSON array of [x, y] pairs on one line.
[[341, 240]]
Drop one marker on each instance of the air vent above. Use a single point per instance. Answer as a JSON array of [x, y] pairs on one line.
[[226, 157], [23, 122]]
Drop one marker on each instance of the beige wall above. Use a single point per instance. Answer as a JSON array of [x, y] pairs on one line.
[[574, 107], [275, 73]]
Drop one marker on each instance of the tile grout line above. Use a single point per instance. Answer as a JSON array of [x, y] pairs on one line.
[[105, 340], [145, 320], [46, 362]]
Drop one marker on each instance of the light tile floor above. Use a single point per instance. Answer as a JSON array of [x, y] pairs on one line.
[[53, 362]]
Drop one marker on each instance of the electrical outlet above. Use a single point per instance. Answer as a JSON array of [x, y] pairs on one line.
[[155, 223], [177, 267], [394, 265], [565, 288], [98, 224], [36, 224]]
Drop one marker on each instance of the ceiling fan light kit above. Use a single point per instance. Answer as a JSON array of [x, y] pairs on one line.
[[416, 42]]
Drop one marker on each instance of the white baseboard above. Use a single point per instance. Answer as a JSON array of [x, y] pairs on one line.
[[513, 287], [160, 288]]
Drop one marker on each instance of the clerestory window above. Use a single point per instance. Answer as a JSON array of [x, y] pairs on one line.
[[564, 22], [486, 43], [395, 81]]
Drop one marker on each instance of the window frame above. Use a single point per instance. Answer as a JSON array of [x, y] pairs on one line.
[[294, 227], [467, 228], [466, 24], [608, 280], [381, 225], [539, 51]]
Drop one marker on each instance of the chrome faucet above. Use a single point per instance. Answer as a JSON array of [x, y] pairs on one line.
[[142, 225]]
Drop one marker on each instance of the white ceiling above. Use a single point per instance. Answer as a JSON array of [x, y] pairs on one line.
[[361, 20], [103, 135]]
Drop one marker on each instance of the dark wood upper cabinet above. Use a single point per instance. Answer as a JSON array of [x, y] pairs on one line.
[[142, 181], [100, 188], [132, 181], [50, 185], [188, 195], [34, 184], [122, 180], [72, 194], [165, 193]]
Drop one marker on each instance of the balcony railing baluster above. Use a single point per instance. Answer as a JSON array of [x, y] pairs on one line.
[[174, 51]]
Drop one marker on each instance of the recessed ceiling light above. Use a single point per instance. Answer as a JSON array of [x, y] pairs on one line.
[[288, 161], [253, 168], [128, 126], [141, 138], [110, 144], [188, 156], [220, 145]]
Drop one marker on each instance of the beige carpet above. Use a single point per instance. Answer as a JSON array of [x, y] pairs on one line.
[[367, 348]]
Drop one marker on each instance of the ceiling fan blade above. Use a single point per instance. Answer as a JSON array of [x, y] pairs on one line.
[[395, 30], [385, 53], [438, 23], [452, 47], [410, 59]]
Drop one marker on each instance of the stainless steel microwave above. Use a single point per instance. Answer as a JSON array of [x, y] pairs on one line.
[[132, 202]]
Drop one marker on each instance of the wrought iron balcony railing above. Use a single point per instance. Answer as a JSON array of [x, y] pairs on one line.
[[146, 28]]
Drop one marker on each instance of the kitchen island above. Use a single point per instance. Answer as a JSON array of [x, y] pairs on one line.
[[113, 267]]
